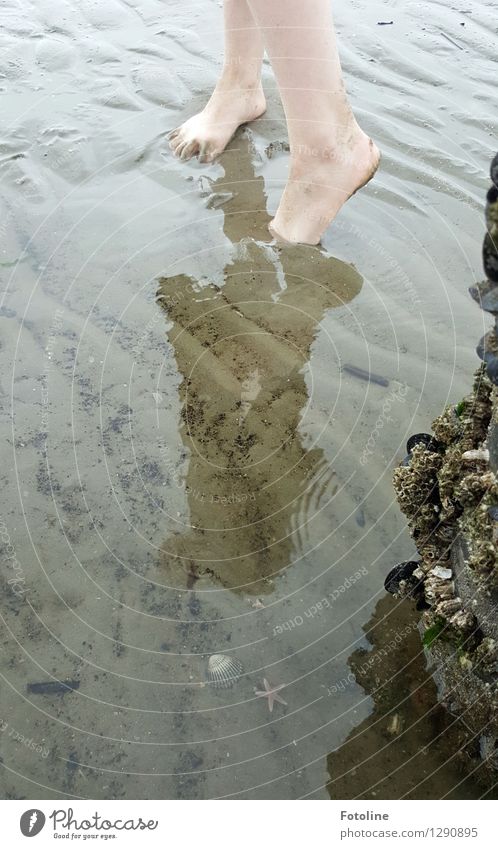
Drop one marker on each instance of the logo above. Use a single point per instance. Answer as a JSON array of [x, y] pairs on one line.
[[32, 822]]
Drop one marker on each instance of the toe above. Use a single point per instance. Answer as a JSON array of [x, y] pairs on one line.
[[189, 150], [202, 152], [207, 153], [181, 147], [173, 133], [176, 143]]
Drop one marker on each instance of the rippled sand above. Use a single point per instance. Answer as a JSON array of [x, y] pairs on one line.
[[189, 467]]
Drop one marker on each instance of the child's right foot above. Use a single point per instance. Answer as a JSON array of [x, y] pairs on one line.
[[207, 134]]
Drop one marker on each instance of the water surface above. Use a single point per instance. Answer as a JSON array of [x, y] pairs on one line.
[[190, 468]]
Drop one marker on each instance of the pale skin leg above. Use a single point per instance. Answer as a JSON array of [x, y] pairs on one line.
[[331, 156], [238, 96]]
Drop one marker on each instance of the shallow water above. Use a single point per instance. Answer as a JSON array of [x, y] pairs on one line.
[[191, 469]]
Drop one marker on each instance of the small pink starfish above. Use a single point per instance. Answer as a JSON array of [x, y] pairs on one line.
[[271, 693]]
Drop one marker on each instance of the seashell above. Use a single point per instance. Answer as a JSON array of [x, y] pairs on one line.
[[442, 573], [395, 725], [478, 454], [223, 671]]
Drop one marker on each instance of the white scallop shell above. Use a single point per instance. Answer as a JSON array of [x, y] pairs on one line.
[[223, 671]]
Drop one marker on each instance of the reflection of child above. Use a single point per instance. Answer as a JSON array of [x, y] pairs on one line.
[[331, 156]]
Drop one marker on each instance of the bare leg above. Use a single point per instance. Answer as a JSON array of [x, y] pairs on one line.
[[238, 96], [331, 157]]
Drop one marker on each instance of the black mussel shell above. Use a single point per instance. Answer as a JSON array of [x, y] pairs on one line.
[[407, 460], [492, 369], [493, 513], [401, 572], [491, 198], [494, 171], [490, 257], [481, 350], [422, 439]]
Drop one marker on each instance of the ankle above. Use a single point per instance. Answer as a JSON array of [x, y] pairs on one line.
[[241, 75], [334, 148]]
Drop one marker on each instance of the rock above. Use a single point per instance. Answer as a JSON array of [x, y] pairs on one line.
[[457, 538], [487, 347], [486, 295]]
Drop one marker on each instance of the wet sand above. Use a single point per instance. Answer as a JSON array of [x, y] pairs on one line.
[[161, 362]]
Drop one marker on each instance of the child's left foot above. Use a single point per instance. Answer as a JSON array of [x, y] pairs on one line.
[[321, 180]]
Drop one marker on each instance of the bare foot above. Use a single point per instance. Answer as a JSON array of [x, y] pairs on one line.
[[321, 180], [207, 134]]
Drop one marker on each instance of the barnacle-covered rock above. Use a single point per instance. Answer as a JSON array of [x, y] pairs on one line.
[[486, 657], [450, 498], [448, 478], [471, 488], [480, 410], [479, 528], [448, 426], [416, 484], [463, 621]]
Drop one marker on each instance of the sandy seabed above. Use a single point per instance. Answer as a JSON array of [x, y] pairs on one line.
[[188, 467]]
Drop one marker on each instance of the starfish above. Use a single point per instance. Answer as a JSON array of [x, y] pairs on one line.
[[271, 693]]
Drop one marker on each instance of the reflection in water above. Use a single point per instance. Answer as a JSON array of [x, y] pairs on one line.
[[410, 746], [243, 349]]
